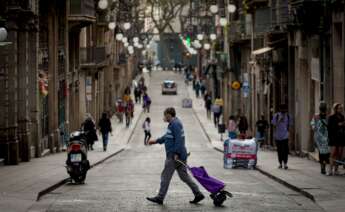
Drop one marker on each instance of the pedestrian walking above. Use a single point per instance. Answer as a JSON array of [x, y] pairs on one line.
[[208, 104], [261, 130], [232, 127], [197, 89], [202, 88], [243, 125], [137, 95], [319, 126], [217, 109], [147, 130], [281, 122], [175, 148], [105, 128], [89, 128], [146, 102], [336, 135], [120, 110], [129, 112]]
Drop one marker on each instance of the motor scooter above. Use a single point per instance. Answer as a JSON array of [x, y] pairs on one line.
[[77, 163]]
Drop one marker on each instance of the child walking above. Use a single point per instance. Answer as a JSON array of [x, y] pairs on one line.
[[147, 130]]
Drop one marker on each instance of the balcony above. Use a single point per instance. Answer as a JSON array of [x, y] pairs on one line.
[[306, 14], [240, 30], [92, 57], [102, 19], [255, 4], [82, 13]]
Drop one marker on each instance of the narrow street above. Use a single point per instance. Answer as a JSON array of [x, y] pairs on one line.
[[123, 182]]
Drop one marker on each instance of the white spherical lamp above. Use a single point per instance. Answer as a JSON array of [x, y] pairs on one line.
[[135, 39], [213, 36], [200, 36], [125, 40], [119, 36], [231, 8], [127, 25], [214, 9], [126, 44], [103, 4], [111, 25], [207, 46], [3, 34], [223, 21]]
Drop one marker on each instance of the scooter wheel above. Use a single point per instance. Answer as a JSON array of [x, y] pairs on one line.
[[79, 179]]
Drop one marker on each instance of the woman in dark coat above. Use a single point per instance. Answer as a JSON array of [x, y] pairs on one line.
[[105, 128], [89, 128], [336, 135]]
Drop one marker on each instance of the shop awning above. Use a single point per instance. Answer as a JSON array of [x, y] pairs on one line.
[[262, 50]]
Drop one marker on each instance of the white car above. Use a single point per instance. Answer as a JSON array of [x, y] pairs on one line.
[[169, 87]]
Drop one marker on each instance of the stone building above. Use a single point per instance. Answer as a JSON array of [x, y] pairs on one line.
[[61, 63]]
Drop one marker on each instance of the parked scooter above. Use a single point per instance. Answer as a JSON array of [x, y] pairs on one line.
[[77, 163]]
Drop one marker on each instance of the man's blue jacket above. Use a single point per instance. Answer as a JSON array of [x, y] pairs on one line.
[[174, 140]]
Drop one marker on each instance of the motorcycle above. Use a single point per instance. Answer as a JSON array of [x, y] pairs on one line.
[[77, 163]]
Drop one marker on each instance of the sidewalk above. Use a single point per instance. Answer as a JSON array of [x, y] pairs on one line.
[[20, 185], [303, 175]]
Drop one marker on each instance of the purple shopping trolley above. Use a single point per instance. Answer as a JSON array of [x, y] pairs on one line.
[[211, 184]]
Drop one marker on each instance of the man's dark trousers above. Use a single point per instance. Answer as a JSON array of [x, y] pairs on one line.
[[169, 168]]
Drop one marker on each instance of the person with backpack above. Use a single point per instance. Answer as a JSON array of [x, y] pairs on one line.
[[105, 128], [147, 130], [281, 122], [319, 126]]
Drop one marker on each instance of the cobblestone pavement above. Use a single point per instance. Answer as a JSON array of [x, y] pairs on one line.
[[123, 182]]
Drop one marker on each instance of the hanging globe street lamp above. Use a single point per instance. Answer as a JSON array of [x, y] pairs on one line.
[[3, 34], [127, 25], [223, 22], [111, 25], [214, 9], [213, 36], [231, 8], [103, 4], [119, 36]]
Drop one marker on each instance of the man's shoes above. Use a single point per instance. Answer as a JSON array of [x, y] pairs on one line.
[[197, 199], [285, 166], [280, 166], [155, 200]]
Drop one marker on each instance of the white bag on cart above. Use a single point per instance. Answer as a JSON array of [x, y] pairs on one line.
[[240, 153], [187, 103]]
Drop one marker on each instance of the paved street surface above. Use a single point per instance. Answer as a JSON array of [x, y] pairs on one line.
[[21, 184], [123, 182], [303, 175]]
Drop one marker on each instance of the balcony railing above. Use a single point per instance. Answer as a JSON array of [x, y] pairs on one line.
[[82, 9], [92, 55]]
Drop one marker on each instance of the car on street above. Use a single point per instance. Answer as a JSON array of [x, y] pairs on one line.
[[169, 87]]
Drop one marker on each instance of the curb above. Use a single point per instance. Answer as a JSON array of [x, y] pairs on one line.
[[66, 180], [284, 183]]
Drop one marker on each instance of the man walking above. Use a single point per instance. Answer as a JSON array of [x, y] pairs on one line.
[[175, 148], [281, 122]]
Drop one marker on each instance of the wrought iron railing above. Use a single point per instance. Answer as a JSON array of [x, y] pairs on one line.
[[89, 55], [82, 7]]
